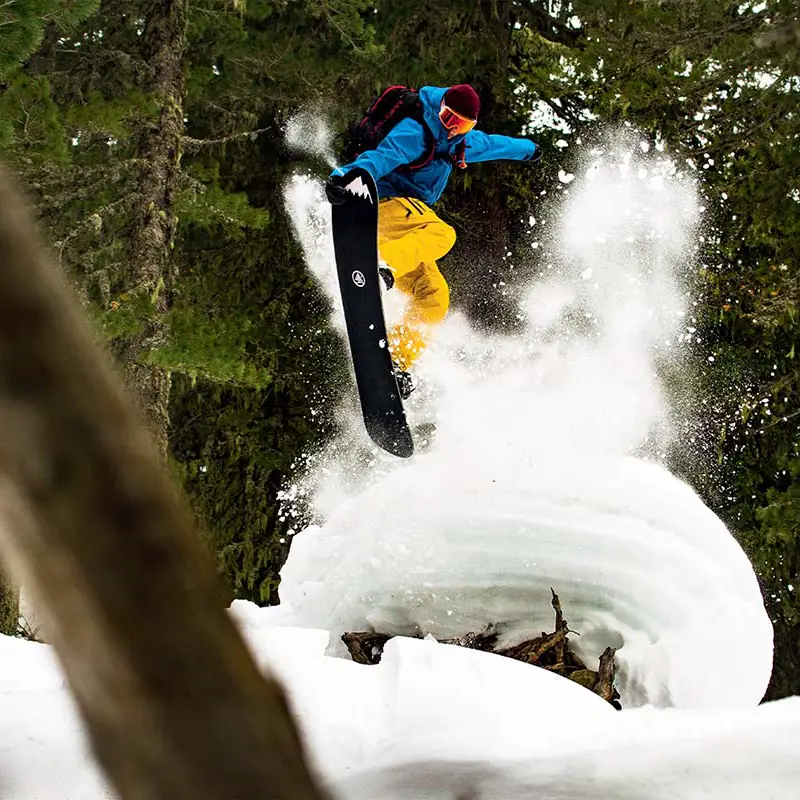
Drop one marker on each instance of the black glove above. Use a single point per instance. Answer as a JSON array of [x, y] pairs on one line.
[[335, 191], [537, 154]]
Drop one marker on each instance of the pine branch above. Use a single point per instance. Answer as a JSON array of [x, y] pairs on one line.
[[93, 222], [551, 28], [191, 145]]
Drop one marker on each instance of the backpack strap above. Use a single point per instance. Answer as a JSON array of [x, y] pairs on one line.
[[430, 147], [458, 156]]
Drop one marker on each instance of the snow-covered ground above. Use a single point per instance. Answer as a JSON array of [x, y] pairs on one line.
[[433, 721], [543, 472]]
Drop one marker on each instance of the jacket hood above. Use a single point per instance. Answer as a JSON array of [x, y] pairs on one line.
[[431, 98]]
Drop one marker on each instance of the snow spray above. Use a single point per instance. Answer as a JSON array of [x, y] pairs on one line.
[[541, 470]]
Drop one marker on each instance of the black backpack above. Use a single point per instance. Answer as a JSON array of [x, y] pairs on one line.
[[392, 105]]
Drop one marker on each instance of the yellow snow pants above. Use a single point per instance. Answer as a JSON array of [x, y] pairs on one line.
[[410, 240]]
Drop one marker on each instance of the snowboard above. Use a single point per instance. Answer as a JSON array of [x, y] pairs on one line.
[[355, 243]]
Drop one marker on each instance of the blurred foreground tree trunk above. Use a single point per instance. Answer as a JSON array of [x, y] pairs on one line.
[[172, 701], [9, 604]]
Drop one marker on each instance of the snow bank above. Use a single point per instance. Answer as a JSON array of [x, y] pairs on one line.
[[43, 753], [737, 755], [415, 703]]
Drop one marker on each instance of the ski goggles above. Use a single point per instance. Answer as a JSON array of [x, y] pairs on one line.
[[454, 122]]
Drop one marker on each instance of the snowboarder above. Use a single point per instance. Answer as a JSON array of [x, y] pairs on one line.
[[410, 142]]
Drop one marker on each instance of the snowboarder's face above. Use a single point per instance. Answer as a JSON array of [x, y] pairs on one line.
[[454, 122]]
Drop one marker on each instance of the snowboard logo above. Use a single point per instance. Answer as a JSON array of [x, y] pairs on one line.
[[359, 188], [358, 278]]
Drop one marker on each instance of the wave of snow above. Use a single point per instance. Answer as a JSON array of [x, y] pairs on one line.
[[637, 560]]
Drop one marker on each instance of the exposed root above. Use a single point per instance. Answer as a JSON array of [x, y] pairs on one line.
[[365, 648]]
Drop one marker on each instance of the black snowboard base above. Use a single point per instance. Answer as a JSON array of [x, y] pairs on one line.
[[355, 241]]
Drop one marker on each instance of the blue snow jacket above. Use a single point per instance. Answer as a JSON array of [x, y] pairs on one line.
[[406, 142]]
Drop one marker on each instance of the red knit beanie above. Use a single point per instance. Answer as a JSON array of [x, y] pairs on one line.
[[464, 100]]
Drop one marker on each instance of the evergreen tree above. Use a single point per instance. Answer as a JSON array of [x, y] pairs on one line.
[[95, 120], [22, 27], [153, 214], [137, 182], [249, 328]]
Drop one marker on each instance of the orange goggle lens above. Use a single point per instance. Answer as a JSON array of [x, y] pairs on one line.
[[454, 122]]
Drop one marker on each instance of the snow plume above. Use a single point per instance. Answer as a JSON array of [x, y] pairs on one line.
[[309, 133], [535, 475], [608, 306]]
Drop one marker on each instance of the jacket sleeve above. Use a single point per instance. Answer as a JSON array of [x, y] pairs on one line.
[[482, 146], [403, 144]]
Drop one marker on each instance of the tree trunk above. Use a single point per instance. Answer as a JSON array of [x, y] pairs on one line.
[[173, 704], [154, 220], [9, 604]]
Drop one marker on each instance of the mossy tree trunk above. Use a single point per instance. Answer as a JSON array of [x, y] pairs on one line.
[[154, 218]]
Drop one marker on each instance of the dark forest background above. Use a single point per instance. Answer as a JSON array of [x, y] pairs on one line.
[[150, 138]]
